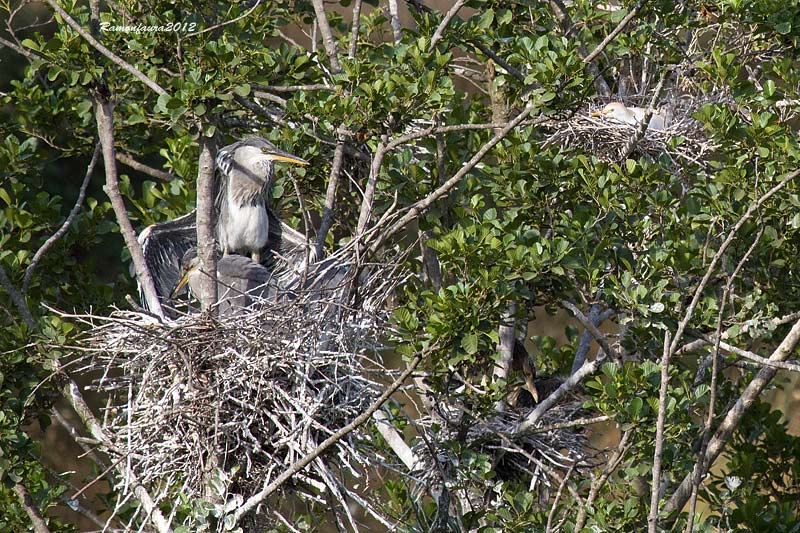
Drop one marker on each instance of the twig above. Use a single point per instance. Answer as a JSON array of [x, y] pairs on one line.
[[35, 516], [105, 51], [554, 506], [327, 443], [616, 31], [437, 35], [421, 206], [372, 182], [157, 173], [645, 123], [67, 222], [598, 483], [226, 22], [105, 129]]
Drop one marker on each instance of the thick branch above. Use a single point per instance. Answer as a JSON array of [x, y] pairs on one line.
[[67, 222], [206, 244], [437, 35], [327, 35], [105, 129], [37, 520], [734, 416]]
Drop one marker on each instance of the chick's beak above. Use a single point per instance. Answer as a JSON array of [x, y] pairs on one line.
[[601, 112], [181, 282]]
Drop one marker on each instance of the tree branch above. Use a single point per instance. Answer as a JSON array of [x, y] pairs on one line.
[[105, 51], [18, 299], [157, 173], [37, 520], [734, 416], [327, 35], [439, 33], [105, 129], [206, 243], [330, 197], [67, 222], [355, 29]]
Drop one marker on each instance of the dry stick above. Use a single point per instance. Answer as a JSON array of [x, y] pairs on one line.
[[734, 416], [598, 483], [355, 29], [330, 197], [67, 222], [206, 244], [437, 35], [552, 513], [700, 466], [777, 321], [157, 173], [105, 129], [421, 206], [671, 346], [327, 35], [105, 51], [259, 497], [72, 394], [25, 500]]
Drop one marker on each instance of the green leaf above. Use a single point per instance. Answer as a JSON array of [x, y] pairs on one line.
[[469, 343], [242, 90]]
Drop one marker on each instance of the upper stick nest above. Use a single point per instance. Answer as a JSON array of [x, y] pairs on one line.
[[683, 140]]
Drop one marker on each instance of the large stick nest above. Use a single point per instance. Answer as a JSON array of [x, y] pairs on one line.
[[246, 395], [683, 139]]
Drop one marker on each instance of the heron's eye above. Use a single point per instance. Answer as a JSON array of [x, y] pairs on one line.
[[264, 149]]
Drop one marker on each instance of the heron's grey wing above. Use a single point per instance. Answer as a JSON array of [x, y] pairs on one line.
[[163, 245], [241, 281]]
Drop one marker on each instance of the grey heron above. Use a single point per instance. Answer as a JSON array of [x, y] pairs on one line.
[[244, 224], [241, 282], [632, 115]]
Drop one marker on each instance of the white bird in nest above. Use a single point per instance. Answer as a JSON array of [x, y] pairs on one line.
[[632, 115]]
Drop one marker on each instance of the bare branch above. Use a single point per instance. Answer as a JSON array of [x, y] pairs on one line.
[[395, 440], [105, 51], [394, 19], [25, 500], [422, 205], [206, 244], [616, 31], [105, 129], [157, 173], [734, 416], [437, 35], [327, 35], [369, 190], [355, 29], [652, 519], [67, 222], [592, 329]]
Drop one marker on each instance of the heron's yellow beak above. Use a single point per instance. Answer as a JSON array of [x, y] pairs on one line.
[[286, 157], [181, 282], [601, 112]]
